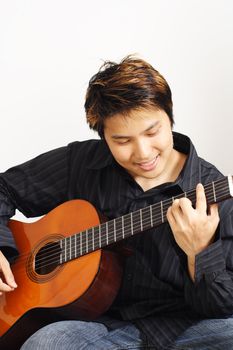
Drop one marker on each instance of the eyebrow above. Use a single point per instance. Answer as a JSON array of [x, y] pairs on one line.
[[117, 137]]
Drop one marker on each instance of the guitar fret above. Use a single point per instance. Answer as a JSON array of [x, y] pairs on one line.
[[65, 249], [111, 232], [100, 236], [107, 232], [127, 225], [137, 225], [86, 241], [61, 247], [131, 223], [224, 190], [114, 230], [161, 205], [151, 217], [118, 228], [123, 230], [214, 191], [75, 245], [141, 225], [81, 243], [70, 248], [103, 235], [89, 240], [93, 238], [167, 205]]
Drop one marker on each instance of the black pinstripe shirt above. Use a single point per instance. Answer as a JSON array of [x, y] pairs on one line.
[[156, 292]]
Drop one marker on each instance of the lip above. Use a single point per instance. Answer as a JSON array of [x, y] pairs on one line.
[[148, 166]]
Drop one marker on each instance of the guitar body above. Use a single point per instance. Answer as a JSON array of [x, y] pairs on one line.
[[82, 288]]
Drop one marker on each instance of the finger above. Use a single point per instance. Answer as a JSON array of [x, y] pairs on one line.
[[176, 210], [170, 217], [213, 211], [185, 206], [10, 279], [174, 214], [5, 287], [201, 204], [6, 271]]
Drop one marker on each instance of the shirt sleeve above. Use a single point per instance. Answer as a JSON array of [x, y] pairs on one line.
[[211, 295], [34, 188]]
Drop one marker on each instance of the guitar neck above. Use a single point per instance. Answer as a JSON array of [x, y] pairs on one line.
[[135, 222]]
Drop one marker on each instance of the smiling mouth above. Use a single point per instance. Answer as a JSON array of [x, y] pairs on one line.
[[148, 165]]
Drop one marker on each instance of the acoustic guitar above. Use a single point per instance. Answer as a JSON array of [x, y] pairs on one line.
[[65, 269]]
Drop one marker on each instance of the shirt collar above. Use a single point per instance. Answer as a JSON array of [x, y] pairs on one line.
[[190, 174]]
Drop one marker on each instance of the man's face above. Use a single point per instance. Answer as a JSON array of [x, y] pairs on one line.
[[141, 142]]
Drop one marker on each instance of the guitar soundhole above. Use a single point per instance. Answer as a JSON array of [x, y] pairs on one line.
[[48, 258]]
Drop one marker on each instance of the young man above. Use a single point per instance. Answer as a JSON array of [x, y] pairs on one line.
[[177, 287]]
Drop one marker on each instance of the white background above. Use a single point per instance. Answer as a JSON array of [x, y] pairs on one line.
[[49, 49]]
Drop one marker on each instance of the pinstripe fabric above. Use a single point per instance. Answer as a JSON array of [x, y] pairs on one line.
[[156, 293]]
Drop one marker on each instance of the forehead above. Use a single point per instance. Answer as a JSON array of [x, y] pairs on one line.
[[136, 120]]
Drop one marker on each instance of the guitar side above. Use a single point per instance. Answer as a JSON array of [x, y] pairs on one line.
[[73, 290]]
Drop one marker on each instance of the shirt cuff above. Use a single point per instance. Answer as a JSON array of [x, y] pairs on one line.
[[6, 237], [209, 261]]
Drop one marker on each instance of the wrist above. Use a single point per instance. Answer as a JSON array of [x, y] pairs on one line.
[[191, 266], [191, 260]]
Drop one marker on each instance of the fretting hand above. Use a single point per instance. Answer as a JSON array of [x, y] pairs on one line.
[[193, 228]]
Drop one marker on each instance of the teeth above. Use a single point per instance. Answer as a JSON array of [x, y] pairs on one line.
[[148, 163]]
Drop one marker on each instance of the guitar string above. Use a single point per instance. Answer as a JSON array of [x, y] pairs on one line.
[[143, 209], [72, 251], [137, 225], [84, 243]]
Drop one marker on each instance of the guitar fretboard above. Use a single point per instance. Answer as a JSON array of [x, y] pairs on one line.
[[115, 230]]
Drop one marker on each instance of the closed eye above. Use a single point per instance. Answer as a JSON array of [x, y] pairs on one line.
[[122, 142], [154, 133]]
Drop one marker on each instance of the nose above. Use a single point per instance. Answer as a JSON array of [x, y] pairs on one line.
[[142, 150]]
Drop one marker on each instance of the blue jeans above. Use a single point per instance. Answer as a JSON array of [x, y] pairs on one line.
[[210, 334], [80, 335]]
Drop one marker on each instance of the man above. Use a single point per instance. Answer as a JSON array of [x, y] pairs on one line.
[[177, 288]]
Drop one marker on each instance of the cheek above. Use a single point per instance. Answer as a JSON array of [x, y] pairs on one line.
[[164, 143], [121, 155]]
